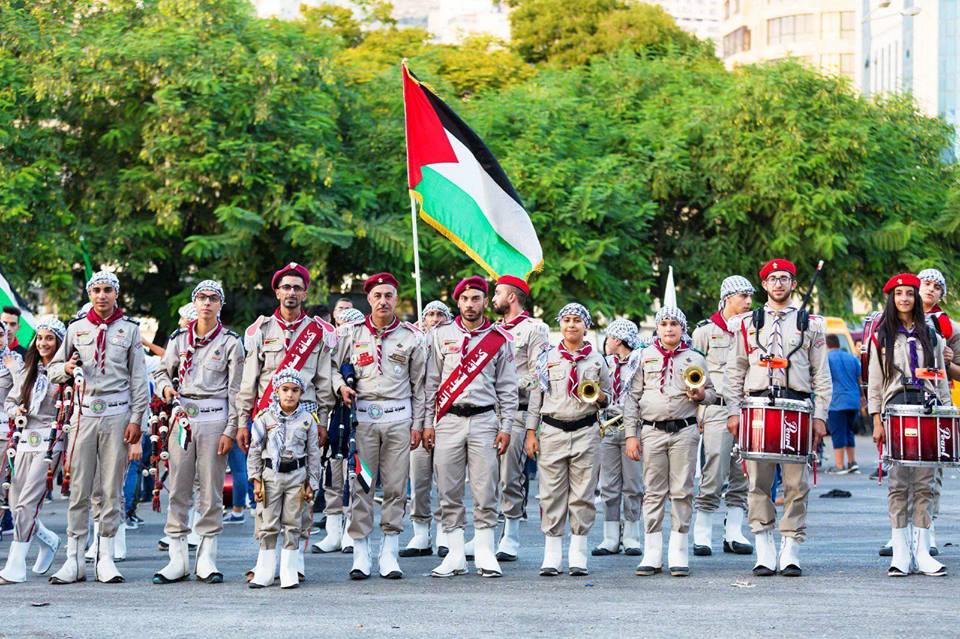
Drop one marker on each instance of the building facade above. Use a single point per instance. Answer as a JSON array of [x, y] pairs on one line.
[[821, 33], [699, 17]]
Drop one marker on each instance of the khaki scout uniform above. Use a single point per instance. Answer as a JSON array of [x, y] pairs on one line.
[[29, 485], [464, 442], [808, 373], [953, 343], [390, 403], [568, 442], [665, 420], [209, 398], [530, 338], [719, 465], [111, 400], [285, 456], [621, 478], [265, 342], [907, 485]]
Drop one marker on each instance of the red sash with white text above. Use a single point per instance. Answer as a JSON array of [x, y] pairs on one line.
[[296, 356], [470, 366]]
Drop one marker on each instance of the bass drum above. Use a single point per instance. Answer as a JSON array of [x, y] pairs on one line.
[[870, 325]]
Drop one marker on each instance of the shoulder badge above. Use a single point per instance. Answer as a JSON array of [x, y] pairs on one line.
[[253, 328]]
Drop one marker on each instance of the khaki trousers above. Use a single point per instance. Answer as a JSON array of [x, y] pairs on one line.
[[421, 486], [97, 447], [568, 479], [27, 491], [281, 509], [467, 442], [936, 487], [763, 513], [385, 448], [621, 479], [199, 464], [669, 461], [719, 466], [333, 494], [911, 485], [511, 471]]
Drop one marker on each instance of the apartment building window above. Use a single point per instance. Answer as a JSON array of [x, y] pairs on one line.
[[730, 8], [736, 41], [797, 28]]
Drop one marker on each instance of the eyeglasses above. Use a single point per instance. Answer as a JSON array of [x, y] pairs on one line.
[[207, 298], [286, 288], [782, 279]]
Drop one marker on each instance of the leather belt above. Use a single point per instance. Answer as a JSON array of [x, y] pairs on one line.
[[468, 411], [569, 427], [671, 425], [523, 407], [783, 393], [287, 466]]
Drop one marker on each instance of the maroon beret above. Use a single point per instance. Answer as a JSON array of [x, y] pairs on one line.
[[378, 279], [777, 265], [475, 282], [512, 280], [903, 279], [291, 269]]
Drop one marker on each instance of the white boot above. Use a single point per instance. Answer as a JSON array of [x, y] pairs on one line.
[[703, 534], [105, 569], [120, 544], [509, 545], [178, 568], [468, 548], [389, 566], [288, 569], [734, 540], [346, 541], [266, 568], [49, 545], [73, 569], [15, 570], [902, 557], [632, 542], [455, 563], [485, 559], [652, 563], [193, 539], [552, 556], [419, 544], [361, 558], [611, 540], [790, 557], [91, 553], [443, 547], [330, 542], [577, 556], [678, 558], [921, 554], [207, 561], [766, 554]]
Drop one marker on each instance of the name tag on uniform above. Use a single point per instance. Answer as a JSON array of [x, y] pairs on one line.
[[397, 357], [270, 340], [451, 346], [364, 359]]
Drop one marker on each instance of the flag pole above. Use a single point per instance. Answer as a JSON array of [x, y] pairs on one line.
[[416, 256]]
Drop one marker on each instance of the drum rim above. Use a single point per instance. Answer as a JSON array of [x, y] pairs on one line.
[[917, 410], [779, 457], [800, 405], [918, 464]]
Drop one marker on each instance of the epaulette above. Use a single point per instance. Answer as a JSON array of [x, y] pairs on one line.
[[413, 327], [76, 319], [175, 333], [503, 332], [130, 319], [253, 328], [233, 334], [703, 322]]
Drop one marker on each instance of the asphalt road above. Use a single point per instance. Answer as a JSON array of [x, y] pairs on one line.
[[844, 592]]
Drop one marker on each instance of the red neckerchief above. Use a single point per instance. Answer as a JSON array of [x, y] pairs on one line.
[[100, 355], [483, 328], [291, 328], [194, 344], [717, 318], [667, 359], [14, 342], [379, 335], [617, 384], [573, 379], [515, 322], [942, 319]]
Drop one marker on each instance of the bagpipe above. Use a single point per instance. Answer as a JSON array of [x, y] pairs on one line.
[[17, 424], [342, 435], [65, 404], [76, 401]]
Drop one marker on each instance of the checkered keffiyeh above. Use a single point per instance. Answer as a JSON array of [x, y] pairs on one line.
[[575, 309]]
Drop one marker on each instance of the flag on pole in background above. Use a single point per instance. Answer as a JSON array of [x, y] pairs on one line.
[[9, 297], [461, 190]]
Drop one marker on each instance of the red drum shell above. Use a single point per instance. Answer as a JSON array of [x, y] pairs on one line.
[[781, 431], [915, 438]]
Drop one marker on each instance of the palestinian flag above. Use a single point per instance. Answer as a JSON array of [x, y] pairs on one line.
[[364, 476], [9, 297], [460, 188]]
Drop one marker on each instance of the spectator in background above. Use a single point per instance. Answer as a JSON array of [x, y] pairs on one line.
[[342, 304], [845, 405], [322, 311], [11, 321]]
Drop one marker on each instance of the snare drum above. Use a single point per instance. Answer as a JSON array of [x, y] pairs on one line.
[[917, 438], [780, 431]]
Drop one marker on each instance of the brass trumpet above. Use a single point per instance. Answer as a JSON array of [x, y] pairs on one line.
[[609, 424], [694, 377], [588, 391]]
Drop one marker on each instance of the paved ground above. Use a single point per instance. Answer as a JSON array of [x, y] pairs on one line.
[[845, 591]]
